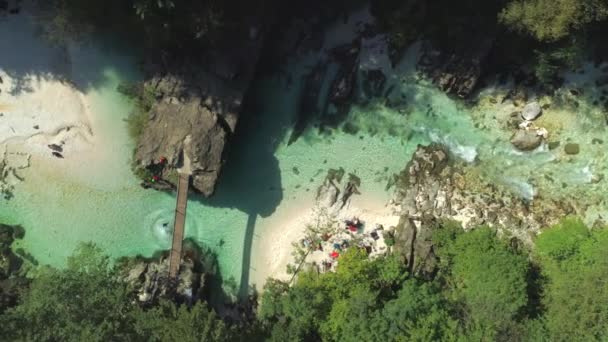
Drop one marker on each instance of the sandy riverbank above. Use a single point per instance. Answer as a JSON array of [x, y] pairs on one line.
[[47, 92], [38, 104], [272, 249]]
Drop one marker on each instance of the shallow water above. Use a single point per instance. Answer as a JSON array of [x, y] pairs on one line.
[[102, 202]]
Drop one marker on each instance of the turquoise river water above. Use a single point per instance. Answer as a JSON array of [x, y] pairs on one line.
[[264, 176]]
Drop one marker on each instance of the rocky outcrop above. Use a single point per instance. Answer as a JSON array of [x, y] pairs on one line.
[[308, 107], [149, 277], [415, 247], [343, 85], [454, 73], [329, 194], [196, 109], [12, 280], [433, 188]]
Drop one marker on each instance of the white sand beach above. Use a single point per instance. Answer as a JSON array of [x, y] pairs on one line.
[[38, 106], [46, 94], [272, 251]]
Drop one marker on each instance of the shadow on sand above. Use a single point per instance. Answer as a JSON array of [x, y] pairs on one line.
[[28, 57], [251, 178]]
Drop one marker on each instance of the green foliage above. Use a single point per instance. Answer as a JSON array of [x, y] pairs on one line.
[[574, 262], [551, 20], [88, 301], [144, 98], [562, 241], [480, 294], [367, 300], [448, 24], [158, 24], [168, 322], [75, 19], [487, 276], [82, 302], [550, 61]]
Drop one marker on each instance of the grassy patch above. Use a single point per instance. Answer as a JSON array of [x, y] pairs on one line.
[[144, 97]]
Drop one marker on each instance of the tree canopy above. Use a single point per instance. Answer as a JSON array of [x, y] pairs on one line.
[[87, 301], [550, 20], [574, 262]]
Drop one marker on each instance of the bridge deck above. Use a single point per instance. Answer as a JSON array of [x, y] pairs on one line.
[[180, 222]]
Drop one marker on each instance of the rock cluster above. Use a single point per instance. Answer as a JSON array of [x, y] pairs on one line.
[[10, 165], [529, 137], [454, 73], [149, 279], [329, 194], [433, 188]]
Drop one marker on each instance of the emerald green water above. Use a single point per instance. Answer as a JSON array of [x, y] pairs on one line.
[[264, 177]]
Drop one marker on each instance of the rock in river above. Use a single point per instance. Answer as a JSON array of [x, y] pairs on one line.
[[531, 111], [571, 148], [196, 108], [526, 140]]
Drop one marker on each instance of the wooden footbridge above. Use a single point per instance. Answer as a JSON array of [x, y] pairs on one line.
[[178, 227]]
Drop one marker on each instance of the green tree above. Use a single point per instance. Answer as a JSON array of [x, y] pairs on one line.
[[83, 302], [364, 300], [488, 277], [551, 20], [168, 322], [574, 262]]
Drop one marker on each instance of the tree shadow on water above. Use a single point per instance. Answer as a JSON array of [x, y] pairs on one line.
[[29, 57], [251, 178]]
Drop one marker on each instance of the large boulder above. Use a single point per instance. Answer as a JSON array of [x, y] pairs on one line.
[[531, 111], [415, 247], [526, 140], [197, 105], [190, 131]]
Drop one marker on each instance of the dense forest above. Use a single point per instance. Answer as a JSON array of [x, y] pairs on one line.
[[488, 288]]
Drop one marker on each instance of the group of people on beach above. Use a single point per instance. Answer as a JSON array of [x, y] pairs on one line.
[[335, 245]]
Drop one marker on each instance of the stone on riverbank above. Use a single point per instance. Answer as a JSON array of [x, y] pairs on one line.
[[526, 140], [531, 111]]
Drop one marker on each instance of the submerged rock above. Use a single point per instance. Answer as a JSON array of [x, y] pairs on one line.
[[531, 111], [327, 194], [526, 140], [571, 148]]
